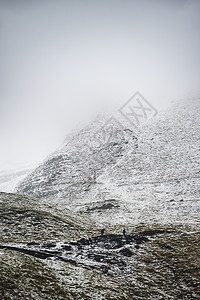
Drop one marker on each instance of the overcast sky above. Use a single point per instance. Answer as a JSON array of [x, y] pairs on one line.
[[62, 61]]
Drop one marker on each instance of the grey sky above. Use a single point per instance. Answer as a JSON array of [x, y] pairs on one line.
[[63, 61]]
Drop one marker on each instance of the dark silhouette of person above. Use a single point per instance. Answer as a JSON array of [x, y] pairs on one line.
[[102, 231], [124, 232]]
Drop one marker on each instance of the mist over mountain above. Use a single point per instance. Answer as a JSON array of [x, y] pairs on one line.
[[62, 62], [147, 175]]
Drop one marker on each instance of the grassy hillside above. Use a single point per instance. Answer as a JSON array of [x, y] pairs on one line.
[[156, 262], [25, 219]]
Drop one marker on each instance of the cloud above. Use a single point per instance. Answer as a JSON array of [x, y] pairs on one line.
[[63, 61]]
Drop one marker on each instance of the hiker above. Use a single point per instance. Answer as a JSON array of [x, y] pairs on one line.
[[124, 232], [102, 231]]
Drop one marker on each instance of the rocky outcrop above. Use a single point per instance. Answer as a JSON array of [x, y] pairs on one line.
[[97, 252]]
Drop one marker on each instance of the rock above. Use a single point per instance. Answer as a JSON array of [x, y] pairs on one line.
[[49, 245], [83, 241], [33, 244], [126, 252], [166, 246], [104, 206], [66, 247], [96, 257]]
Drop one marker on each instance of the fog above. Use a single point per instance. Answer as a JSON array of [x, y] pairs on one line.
[[62, 62]]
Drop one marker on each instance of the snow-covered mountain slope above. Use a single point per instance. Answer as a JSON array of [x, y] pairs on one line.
[[120, 176], [158, 183], [76, 165]]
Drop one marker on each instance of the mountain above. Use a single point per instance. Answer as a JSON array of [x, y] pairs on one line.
[[122, 176], [159, 181], [140, 186], [76, 165]]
